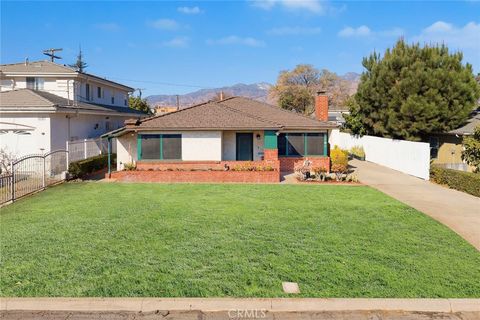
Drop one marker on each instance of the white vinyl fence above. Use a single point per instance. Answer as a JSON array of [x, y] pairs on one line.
[[86, 148], [409, 157]]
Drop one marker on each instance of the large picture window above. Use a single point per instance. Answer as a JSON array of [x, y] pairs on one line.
[[160, 147], [172, 146], [295, 144], [301, 144], [150, 146]]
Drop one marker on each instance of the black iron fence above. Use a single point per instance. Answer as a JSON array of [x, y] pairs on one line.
[[32, 173]]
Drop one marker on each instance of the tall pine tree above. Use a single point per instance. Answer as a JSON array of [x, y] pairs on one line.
[[412, 91], [79, 65]]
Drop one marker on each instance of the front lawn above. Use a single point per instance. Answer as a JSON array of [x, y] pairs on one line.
[[109, 239]]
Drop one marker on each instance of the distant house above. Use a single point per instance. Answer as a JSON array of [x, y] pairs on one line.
[[446, 148], [44, 104], [164, 109], [224, 134], [338, 116]]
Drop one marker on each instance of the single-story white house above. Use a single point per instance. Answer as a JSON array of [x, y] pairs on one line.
[[219, 134]]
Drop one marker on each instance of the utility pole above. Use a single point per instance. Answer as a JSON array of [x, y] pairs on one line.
[[178, 102], [51, 54], [139, 92]]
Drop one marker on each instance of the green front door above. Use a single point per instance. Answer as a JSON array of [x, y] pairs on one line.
[[244, 146]]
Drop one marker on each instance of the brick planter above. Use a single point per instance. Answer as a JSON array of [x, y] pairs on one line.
[[288, 163], [197, 176], [203, 165]]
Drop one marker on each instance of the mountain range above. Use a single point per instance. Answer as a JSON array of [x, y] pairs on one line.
[[257, 91]]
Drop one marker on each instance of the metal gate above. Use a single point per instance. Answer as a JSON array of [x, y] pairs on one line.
[[33, 173]]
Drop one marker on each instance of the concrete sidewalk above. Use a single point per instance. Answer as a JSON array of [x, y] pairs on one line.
[[232, 308], [457, 210]]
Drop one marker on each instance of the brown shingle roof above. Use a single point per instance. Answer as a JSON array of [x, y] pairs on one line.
[[233, 113], [282, 117], [22, 98], [469, 127], [205, 116]]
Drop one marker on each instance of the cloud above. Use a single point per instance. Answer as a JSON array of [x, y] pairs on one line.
[[394, 32], [466, 37], [177, 42], [315, 6], [365, 32], [189, 10], [293, 31], [108, 26], [361, 31], [164, 24], [236, 40]]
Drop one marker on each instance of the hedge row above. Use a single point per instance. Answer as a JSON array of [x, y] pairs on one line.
[[79, 169], [463, 181]]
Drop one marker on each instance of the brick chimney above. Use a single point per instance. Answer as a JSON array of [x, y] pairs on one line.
[[321, 106]]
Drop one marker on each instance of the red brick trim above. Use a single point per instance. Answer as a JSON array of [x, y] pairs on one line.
[[204, 165], [270, 154], [197, 176]]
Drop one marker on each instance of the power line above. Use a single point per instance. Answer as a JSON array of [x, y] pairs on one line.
[[164, 83]]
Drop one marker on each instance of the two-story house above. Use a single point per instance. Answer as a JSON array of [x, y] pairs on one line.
[[44, 104]]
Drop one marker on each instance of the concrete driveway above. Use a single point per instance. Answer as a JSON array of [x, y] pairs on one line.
[[457, 210]]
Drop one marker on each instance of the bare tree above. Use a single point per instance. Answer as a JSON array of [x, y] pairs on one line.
[[6, 158]]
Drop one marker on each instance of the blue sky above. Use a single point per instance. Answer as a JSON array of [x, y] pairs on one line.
[[209, 44]]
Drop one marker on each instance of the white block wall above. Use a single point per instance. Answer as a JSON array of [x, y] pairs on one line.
[[409, 157]]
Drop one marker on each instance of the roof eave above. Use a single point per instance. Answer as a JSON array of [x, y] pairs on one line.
[[140, 128]]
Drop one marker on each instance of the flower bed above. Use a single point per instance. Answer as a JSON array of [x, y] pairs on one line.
[[170, 176]]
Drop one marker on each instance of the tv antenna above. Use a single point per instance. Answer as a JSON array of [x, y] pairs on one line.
[[51, 54]]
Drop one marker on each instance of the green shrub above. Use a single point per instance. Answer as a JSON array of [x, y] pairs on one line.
[[81, 168], [129, 166], [358, 152], [339, 156], [463, 181], [251, 167]]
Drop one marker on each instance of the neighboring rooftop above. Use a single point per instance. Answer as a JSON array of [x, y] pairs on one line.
[[234, 113], [36, 67], [27, 98], [470, 126], [48, 67]]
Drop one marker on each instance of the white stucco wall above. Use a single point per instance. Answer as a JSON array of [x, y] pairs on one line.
[[228, 145], [258, 145], [126, 150], [21, 145], [72, 89], [81, 127], [50, 131], [202, 145], [106, 95]]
